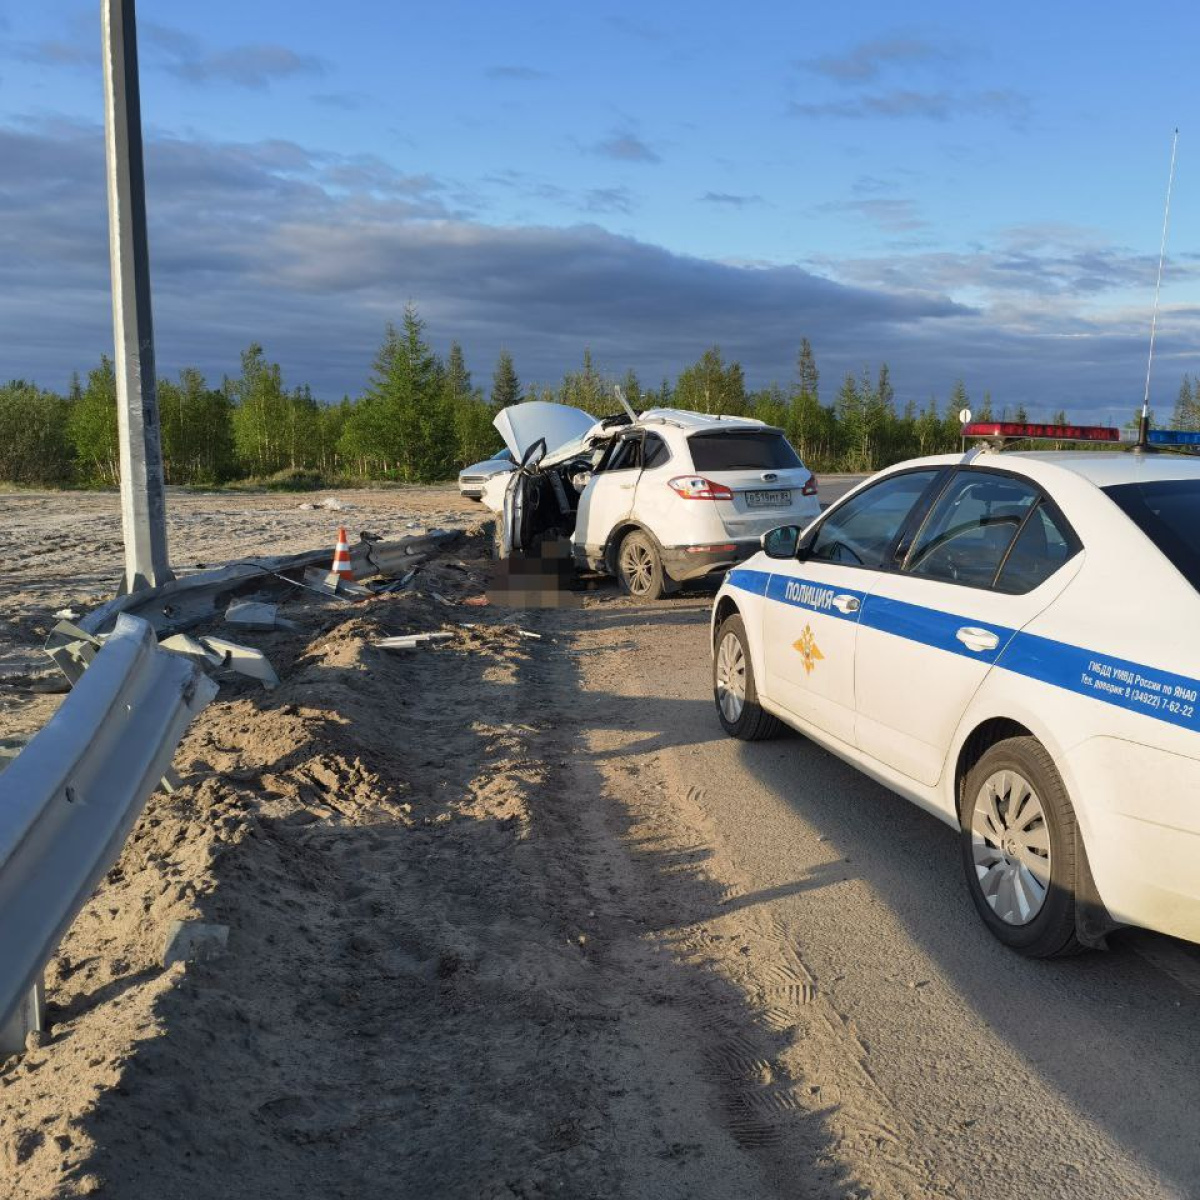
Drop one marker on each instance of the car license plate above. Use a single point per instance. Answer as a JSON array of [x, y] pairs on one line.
[[768, 499]]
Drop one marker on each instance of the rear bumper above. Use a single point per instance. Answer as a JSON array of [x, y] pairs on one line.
[[1142, 832], [693, 562]]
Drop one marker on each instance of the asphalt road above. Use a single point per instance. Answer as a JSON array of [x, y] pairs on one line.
[[1012, 1078]]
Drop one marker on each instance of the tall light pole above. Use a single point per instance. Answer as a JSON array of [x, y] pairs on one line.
[[143, 505]]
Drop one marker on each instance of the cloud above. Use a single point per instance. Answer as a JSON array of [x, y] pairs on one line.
[[346, 101], [311, 252], [901, 104], [625, 146], [633, 27], [517, 74], [608, 200], [589, 200], [179, 53], [249, 66], [729, 199], [867, 61]]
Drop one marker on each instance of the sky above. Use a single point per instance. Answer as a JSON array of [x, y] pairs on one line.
[[962, 191]]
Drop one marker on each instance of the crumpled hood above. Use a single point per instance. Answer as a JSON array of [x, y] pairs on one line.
[[520, 425]]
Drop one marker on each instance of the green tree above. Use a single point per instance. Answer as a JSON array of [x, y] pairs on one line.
[[586, 388], [197, 430], [506, 387], [807, 375], [35, 437], [262, 432], [93, 426], [709, 386], [404, 427], [1187, 406]]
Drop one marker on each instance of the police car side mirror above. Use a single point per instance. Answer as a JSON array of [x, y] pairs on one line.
[[781, 542]]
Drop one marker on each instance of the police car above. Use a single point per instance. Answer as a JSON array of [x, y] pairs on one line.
[[1012, 641]]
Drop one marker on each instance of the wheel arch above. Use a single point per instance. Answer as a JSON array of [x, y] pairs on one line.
[[725, 608], [977, 743], [617, 535]]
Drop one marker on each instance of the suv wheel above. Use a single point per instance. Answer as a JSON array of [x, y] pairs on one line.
[[639, 567], [1018, 848], [738, 709]]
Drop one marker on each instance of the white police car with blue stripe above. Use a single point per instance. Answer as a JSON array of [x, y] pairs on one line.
[[1011, 641]]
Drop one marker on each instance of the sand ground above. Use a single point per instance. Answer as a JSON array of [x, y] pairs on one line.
[[511, 918]]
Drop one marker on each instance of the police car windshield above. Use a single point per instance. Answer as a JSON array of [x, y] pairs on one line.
[[1167, 511]]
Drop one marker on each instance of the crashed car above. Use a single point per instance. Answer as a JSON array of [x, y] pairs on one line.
[[654, 498], [471, 479]]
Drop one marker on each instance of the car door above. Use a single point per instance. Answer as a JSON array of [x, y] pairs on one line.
[[811, 625], [608, 497], [992, 553]]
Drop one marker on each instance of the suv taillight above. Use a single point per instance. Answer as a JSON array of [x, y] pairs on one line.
[[810, 486], [696, 487]]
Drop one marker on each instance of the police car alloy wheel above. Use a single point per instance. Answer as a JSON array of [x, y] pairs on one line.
[[736, 697], [1018, 848]]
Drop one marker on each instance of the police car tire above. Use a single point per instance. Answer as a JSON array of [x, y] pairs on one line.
[[754, 723], [1052, 933]]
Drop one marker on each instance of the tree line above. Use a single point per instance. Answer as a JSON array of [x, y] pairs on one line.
[[420, 418]]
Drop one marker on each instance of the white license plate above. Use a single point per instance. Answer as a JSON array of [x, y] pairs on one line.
[[768, 499]]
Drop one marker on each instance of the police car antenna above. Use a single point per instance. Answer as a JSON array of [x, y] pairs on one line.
[[1144, 423]]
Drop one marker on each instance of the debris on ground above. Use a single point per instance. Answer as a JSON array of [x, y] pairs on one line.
[[194, 941], [412, 641], [257, 614]]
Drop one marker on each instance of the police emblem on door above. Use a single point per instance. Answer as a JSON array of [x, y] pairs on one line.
[[810, 652]]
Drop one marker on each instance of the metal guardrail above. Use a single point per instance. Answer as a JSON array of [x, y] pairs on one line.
[[70, 798]]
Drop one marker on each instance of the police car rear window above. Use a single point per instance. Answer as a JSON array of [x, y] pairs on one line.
[[729, 451], [1167, 511]]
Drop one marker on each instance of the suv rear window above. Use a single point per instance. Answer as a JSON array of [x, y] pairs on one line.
[[1167, 511], [727, 450]]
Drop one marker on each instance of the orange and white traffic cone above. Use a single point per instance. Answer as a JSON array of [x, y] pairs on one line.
[[341, 558]]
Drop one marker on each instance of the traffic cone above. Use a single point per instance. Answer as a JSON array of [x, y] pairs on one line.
[[341, 558]]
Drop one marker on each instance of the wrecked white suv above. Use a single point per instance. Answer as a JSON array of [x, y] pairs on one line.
[[654, 498]]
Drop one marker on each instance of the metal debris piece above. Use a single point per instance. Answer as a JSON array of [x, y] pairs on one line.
[[411, 641], [182, 643], [325, 582], [442, 599], [245, 660], [257, 614], [528, 633], [71, 649]]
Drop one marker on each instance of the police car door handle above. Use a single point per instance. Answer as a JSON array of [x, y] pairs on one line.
[[977, 639], [847, 604]]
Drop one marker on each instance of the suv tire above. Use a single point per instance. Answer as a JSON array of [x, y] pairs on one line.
[[639, 567]]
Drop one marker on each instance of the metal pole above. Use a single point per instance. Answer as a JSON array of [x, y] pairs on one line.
[[143, 506]]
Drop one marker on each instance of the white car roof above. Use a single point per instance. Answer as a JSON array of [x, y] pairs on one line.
[[693, 421], [1102, 468]]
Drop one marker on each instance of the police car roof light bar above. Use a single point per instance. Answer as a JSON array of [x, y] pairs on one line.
[[1018, 431], [1182, 438]]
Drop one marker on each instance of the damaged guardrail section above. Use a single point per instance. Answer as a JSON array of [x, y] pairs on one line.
[[70, 798]]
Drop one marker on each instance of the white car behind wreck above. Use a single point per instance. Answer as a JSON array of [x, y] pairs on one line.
[[655, 498]]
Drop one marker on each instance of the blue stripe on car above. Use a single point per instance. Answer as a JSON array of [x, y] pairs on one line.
[[1150, 691]]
